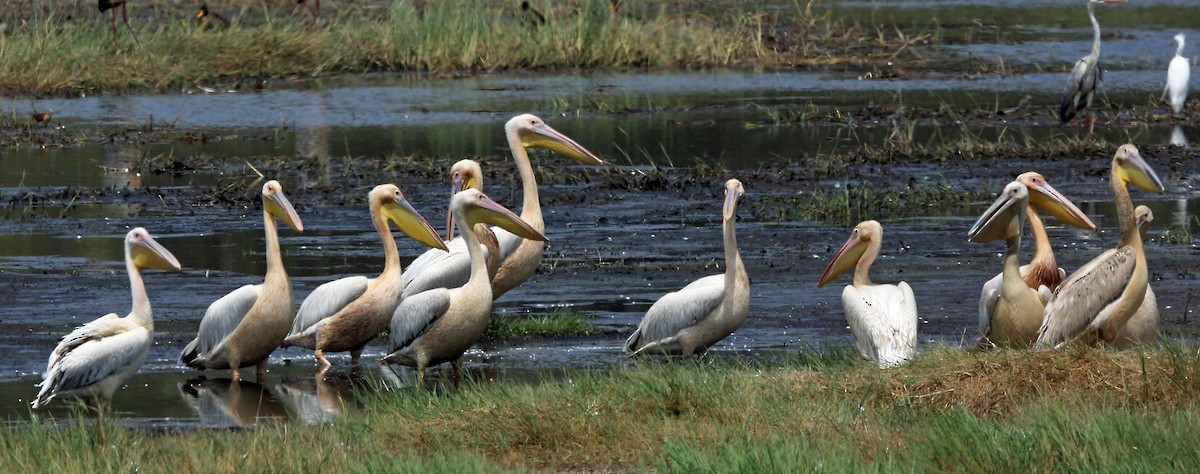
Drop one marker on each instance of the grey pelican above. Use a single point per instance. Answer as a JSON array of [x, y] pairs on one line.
[[346, 314], [438, 325], [1178, 74], [1142, 328], [1096, 301], [1042, 270], [706, 310], [519, 257], [95, 359], [1086, 75], [242, 328], [883, 318]]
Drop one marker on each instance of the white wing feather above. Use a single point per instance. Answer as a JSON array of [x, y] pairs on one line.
[[92, 353], [990, 295], [224, 315], [327, 299], [451, 268], [678, 310], [415, 314], [883, 320]]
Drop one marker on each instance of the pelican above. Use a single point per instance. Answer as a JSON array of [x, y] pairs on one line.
[[1042, 270], [519, 257], [706, 310], [438, 325], [883, 318], [346, 314], [1142, 328], [1177, 77], [95, 359], [1086, 75], [467, 174], [1097, 300], [242, 328]]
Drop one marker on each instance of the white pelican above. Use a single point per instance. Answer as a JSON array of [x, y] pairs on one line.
[[467, 174], [1178, 74], [1042, 270], [438, 325], [1097, 300], [242, 328], [706, 310], [346, 314], [95, 359], [519, 257], [1142, 328], [883, 318], [1086, 75]]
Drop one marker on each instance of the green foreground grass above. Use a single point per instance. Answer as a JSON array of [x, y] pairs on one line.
[[1008, 411]]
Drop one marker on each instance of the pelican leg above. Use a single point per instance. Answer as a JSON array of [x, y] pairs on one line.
[[322, 362], [236, 376], [260, 372], [457, 366], [355, 355]]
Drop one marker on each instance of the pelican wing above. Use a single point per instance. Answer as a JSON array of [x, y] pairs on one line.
[[445, 269], [327, 299], [678, 310], [224, 315], [415, 314], [990, 295], [1083, 300], [92, 353], [883, 320]]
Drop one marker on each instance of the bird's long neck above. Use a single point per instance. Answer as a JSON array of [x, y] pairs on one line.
[[274, 259], [1095, 30], [1125, 216], [140, 313], [479, 273], [1043, 269], [391, 256], [733, 258], [531, 208], [1179, 49], [862, 270], [1012, 260]]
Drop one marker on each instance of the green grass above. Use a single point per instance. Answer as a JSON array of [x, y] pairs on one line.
[[855, 202], [1079, 410], [557, 323]]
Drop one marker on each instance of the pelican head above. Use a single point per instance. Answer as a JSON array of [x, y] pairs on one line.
[[395, 208], [1132, 169], [852, 250], [148, 253], [533, 132], [733, 191], [276, 204], [466, 174], [1004, 219], [1144, 216], [477, 207], [1048, 200]]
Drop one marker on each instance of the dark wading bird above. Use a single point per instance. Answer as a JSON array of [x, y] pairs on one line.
[[106, 5], [440, 324], [95, 359], [346, 314], [242, 328], [1012, 303], [1096, 301], [705, 311], [882, 317], [1016, 328], [519, 257], [1085, 76]]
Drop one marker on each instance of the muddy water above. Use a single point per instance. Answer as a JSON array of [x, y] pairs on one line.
[[60, 254]]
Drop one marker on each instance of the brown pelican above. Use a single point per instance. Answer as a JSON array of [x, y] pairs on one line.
[[438, 325], [346, 314], [706, 310], [95, 359], [242, 328], [1096, 301], [1086, 75], [1142, 328], [883, 318], [1178, 74], [1042, 270], [519, 257]]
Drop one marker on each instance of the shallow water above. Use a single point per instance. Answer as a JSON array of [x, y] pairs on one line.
[[611, 255]]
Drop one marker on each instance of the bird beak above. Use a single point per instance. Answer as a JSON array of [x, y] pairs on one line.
[[845, 259], [148, 253], [1132, 169], [456, 185], [489, 212], [732, 193], [409, 221], [1000, 221], [550, 139], [1057, 205], [279, 206]]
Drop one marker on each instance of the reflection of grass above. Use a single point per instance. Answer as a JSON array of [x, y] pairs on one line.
[[1009, 411], [856, 202], [557, 323]]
